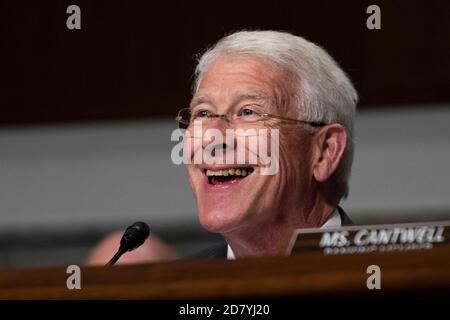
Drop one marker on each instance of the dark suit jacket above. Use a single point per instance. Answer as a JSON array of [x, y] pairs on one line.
[[219, 250]]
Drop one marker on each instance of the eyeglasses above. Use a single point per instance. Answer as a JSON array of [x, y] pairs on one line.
[[246, 115]]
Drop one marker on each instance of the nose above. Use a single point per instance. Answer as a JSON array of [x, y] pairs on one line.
[[217, 143], [214, 131]]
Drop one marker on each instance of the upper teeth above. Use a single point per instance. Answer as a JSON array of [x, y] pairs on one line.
[[228, 172]]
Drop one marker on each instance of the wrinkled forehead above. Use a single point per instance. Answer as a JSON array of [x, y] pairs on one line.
[[239, 96], [230, 79]]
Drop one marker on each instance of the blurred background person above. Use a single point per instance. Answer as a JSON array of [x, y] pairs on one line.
[[152, 250]]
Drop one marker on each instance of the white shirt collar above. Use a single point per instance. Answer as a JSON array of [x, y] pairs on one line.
[[230, 254], [334, 221]]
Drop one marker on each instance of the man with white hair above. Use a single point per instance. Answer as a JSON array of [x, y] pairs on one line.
[[279, 82]]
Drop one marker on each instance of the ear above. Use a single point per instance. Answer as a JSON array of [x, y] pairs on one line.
[[329, 149]]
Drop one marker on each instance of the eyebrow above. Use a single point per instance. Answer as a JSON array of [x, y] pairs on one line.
[[199, 100], [256, 95]]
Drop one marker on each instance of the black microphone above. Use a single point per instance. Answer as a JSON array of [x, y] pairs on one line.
[[133, 237]]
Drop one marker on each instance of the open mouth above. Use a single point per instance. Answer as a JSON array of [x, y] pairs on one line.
[[227, 176]]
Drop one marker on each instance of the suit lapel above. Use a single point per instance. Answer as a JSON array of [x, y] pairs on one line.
[[345, 220]]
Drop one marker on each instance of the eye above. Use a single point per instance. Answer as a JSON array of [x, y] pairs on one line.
[[202, 114], [246, 112]]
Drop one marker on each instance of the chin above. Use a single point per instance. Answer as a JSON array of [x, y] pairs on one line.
[[221, 220]]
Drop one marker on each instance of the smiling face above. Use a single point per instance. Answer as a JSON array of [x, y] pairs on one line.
[[238, 197]]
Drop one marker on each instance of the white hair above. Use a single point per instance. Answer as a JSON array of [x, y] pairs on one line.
[[324, 93]]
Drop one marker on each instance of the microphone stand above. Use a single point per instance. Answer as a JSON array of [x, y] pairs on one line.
[[117, 256]]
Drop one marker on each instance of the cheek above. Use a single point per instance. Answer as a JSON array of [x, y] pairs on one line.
[[193, 179], [192, 147], [189, 143], [295, 158]]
